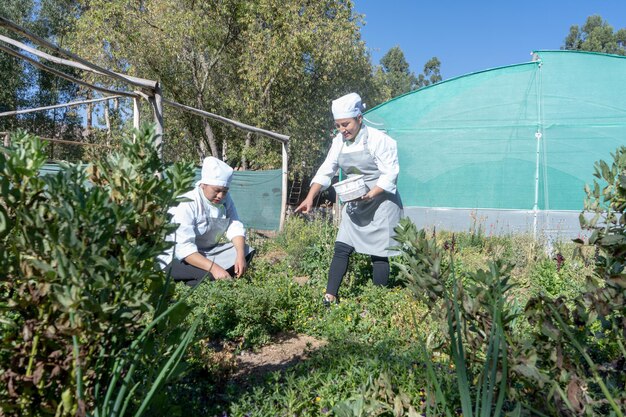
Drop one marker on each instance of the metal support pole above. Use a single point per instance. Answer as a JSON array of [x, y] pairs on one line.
[[538, 136], [536, 204]]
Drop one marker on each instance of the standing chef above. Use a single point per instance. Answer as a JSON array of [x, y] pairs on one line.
[[367, 224], [203, 220]]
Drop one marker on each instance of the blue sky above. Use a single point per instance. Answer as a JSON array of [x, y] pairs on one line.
[[470, 36]]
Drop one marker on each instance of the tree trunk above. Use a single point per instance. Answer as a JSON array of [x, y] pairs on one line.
[[225, 150], [89, 115], [246, 146], [210, 137], [201, 148], [208, 131]]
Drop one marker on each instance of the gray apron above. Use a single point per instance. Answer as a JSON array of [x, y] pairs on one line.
[[208, 242], [368, 226]]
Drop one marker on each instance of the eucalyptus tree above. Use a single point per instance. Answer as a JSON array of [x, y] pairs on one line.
[[186, 45], [596, 35], [296, 57], [274, 64], [393, 77], [431, 74], [54, 20]]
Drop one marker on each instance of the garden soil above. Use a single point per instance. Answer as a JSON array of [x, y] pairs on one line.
[[287, 350]]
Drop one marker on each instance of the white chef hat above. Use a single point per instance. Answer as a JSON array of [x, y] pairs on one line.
[[347, 106], [215, 172]]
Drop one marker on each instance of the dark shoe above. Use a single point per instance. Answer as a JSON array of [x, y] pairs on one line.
[[328, 301]]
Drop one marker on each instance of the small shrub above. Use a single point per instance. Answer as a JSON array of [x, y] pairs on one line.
[[478, 313], [308, 244], [554, 280], [578, 344], [250, 311], [77, 253]]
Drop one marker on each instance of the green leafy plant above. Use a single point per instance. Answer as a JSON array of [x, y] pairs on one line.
[[123, 384], [377, 398], [607, 295], [308, 244], [476, 312], [77, 253], [580, 342]]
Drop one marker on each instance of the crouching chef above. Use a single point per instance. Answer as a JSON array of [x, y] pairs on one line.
[[203, 220]]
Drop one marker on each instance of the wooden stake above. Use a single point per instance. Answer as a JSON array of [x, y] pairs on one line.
[[157, 107], [283, 201], [56, 106], [136, 109], [62, 74], [81, 64]]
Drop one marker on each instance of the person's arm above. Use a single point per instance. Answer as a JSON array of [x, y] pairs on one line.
[[385, 153], [307, 203], [236, 233], [199, 261], [323, 176], [239, 242]]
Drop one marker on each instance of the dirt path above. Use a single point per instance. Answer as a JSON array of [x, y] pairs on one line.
[[286, 351]]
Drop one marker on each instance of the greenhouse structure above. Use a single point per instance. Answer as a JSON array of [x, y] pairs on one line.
[[508, 149]]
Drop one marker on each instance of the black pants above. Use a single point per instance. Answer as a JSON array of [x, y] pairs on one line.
[[339, 266], [191, 275]]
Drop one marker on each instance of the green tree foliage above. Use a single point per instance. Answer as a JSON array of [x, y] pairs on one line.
[[296, 60], [269, 63], [29, 87], [14, 79], [431, 74], [596, 35], [393, 77], [54, 21]]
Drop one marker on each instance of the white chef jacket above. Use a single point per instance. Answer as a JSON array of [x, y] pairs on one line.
[[382, 148], [192, 221]]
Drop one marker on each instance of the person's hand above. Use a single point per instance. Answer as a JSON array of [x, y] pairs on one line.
[[305, 206], [240, 266], [219, 273], [372, 193]]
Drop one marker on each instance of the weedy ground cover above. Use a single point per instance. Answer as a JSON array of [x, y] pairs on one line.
[[374, 362], [470, 324]]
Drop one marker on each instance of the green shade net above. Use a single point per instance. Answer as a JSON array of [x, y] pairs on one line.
[[471, 142], [257, 196]]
